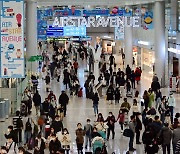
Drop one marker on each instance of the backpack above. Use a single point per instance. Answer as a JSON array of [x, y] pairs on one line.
[[28, 126]]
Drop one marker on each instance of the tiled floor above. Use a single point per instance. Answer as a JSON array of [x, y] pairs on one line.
[[79, 109]]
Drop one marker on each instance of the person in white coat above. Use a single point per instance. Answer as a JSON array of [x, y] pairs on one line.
[[11, 146], [171, 105], [65, 139]]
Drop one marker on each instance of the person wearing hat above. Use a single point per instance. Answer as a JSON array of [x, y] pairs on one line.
[[10, 145], [171, 105]]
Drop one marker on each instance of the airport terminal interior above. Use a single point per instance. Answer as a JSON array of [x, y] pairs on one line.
[[90, 77]]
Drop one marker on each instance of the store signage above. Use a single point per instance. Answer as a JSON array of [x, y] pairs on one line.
[[112, 21], [74, 31], [55, 31], [12, 39]]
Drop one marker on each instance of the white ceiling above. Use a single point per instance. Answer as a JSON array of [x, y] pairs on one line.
[[93, 2]]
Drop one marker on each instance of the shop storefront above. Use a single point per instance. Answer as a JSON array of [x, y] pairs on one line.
[[147, 60]]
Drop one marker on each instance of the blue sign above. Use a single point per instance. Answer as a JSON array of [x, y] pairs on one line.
[[67, 12], [102, 12], [74, 31], [55, 31]]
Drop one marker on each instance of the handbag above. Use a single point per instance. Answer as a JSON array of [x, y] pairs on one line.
[[127, 133]]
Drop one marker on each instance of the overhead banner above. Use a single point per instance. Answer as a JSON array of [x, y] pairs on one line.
[[12, 39]]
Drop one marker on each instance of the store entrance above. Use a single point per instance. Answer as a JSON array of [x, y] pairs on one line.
[[175, 66]]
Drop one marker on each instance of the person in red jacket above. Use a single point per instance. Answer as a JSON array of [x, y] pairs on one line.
[[138, 74], [75, 64], [121, 118]]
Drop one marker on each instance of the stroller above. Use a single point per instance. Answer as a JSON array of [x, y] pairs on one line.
[[97, 144]]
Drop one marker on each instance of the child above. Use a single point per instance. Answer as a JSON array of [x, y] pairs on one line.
[[121, 118]]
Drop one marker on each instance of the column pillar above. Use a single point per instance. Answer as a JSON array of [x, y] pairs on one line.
[[31, 34], [128, 43], [174, 15], [159, 27]]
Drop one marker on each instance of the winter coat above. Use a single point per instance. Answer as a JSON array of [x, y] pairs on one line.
[[117, 94], [110, 93], [57, 125], [63, 99], [176, 135], [166, 135], [137, 74], [95, 100], [80, 136], [37, 99], [54, 146], [12, 147], [110, 120], [65, 139], [155, 86], [138, 124], [121, 117]]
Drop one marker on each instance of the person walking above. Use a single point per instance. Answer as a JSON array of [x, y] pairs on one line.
[[63, 101], [166, 135], [37, 101], [39, 145], [88, 128], [111, 125], [80, 138], [132, 127], [95, 103], [121, 118], [110, 93], [47, 81], [117, 95], [171, 105]]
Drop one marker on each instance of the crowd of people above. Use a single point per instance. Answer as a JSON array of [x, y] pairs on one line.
[[150, 118]]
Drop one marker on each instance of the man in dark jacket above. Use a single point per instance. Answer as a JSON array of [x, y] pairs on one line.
[[63, 101], [110, 122], [12, 134], [155, 86], [128, 72], [138, 128], [57, 124], [54, 145], [37, 101], [166, 135]]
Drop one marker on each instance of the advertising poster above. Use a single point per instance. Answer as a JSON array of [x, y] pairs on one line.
[[147, 20], [12, 39], [119, 33]]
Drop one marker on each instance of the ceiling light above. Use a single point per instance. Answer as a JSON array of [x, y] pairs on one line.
[[143, 43], [107, 36]]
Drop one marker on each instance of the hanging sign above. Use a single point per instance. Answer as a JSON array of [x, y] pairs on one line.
[[12, 39]]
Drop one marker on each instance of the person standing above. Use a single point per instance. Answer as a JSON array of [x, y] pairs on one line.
[[175, 137], [79, 138], [132, 127], [137, 75], [95, 103], [88, 133], [63, 101], [111, 59], [111, 125], [138, 128], [27, 131], [57, 124], [37, 101], [146, 99], [132, 77], [171, 105], [65, 139], [166, 135], [11, 146]]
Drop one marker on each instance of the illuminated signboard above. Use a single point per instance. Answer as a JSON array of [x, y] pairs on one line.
[[74, 31], [12, 39]]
